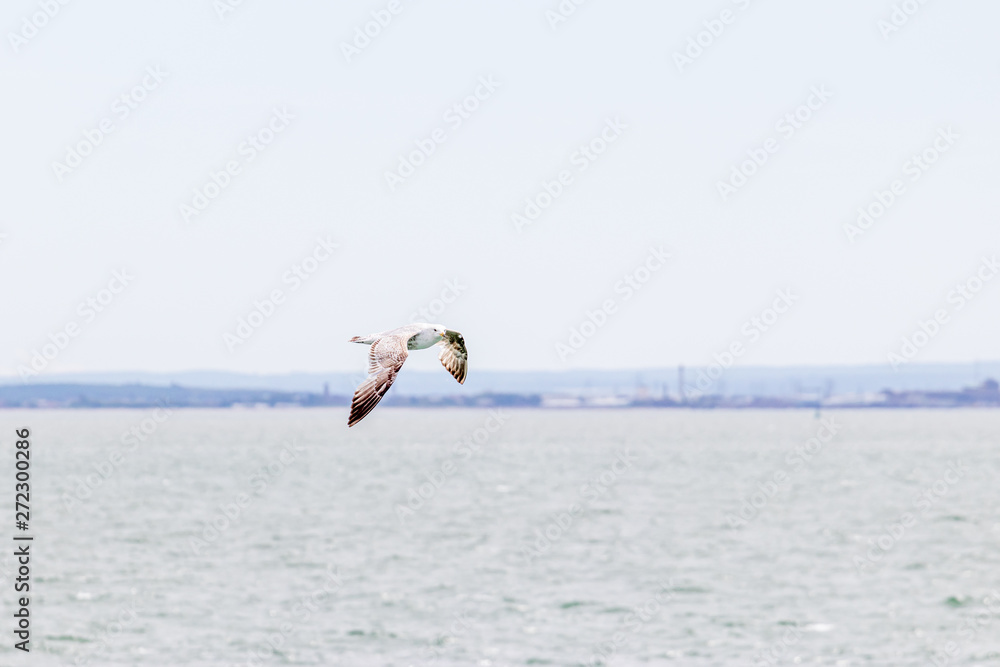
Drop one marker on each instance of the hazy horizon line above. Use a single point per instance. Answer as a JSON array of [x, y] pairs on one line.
[[673, 368]]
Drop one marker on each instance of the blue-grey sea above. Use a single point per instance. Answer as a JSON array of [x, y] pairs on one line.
[[519, 537]]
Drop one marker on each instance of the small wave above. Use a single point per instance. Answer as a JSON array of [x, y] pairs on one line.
[[953, 601], [68, 638]]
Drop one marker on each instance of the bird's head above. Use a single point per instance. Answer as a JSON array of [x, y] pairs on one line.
[[433, 332]]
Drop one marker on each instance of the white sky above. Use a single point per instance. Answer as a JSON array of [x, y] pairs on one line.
[[656, 185]]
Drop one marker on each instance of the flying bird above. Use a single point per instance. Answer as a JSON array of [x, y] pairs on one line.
[[389, 351]]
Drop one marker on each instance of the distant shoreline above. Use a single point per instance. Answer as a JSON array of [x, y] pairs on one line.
[[100, 396]]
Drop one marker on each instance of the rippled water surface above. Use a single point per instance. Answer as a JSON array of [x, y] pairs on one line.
[[461, 537]]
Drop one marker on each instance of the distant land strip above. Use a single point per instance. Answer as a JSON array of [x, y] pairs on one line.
[[42, 396]]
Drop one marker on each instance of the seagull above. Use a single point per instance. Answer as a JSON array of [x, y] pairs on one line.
[[389, 351]]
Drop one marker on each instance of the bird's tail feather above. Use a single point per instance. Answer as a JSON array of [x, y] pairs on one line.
[[367, 340]]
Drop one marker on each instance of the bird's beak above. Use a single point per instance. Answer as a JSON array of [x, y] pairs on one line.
[[441, 334]]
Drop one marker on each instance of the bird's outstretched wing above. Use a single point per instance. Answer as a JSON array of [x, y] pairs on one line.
[[385, 358], [454, 356]]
